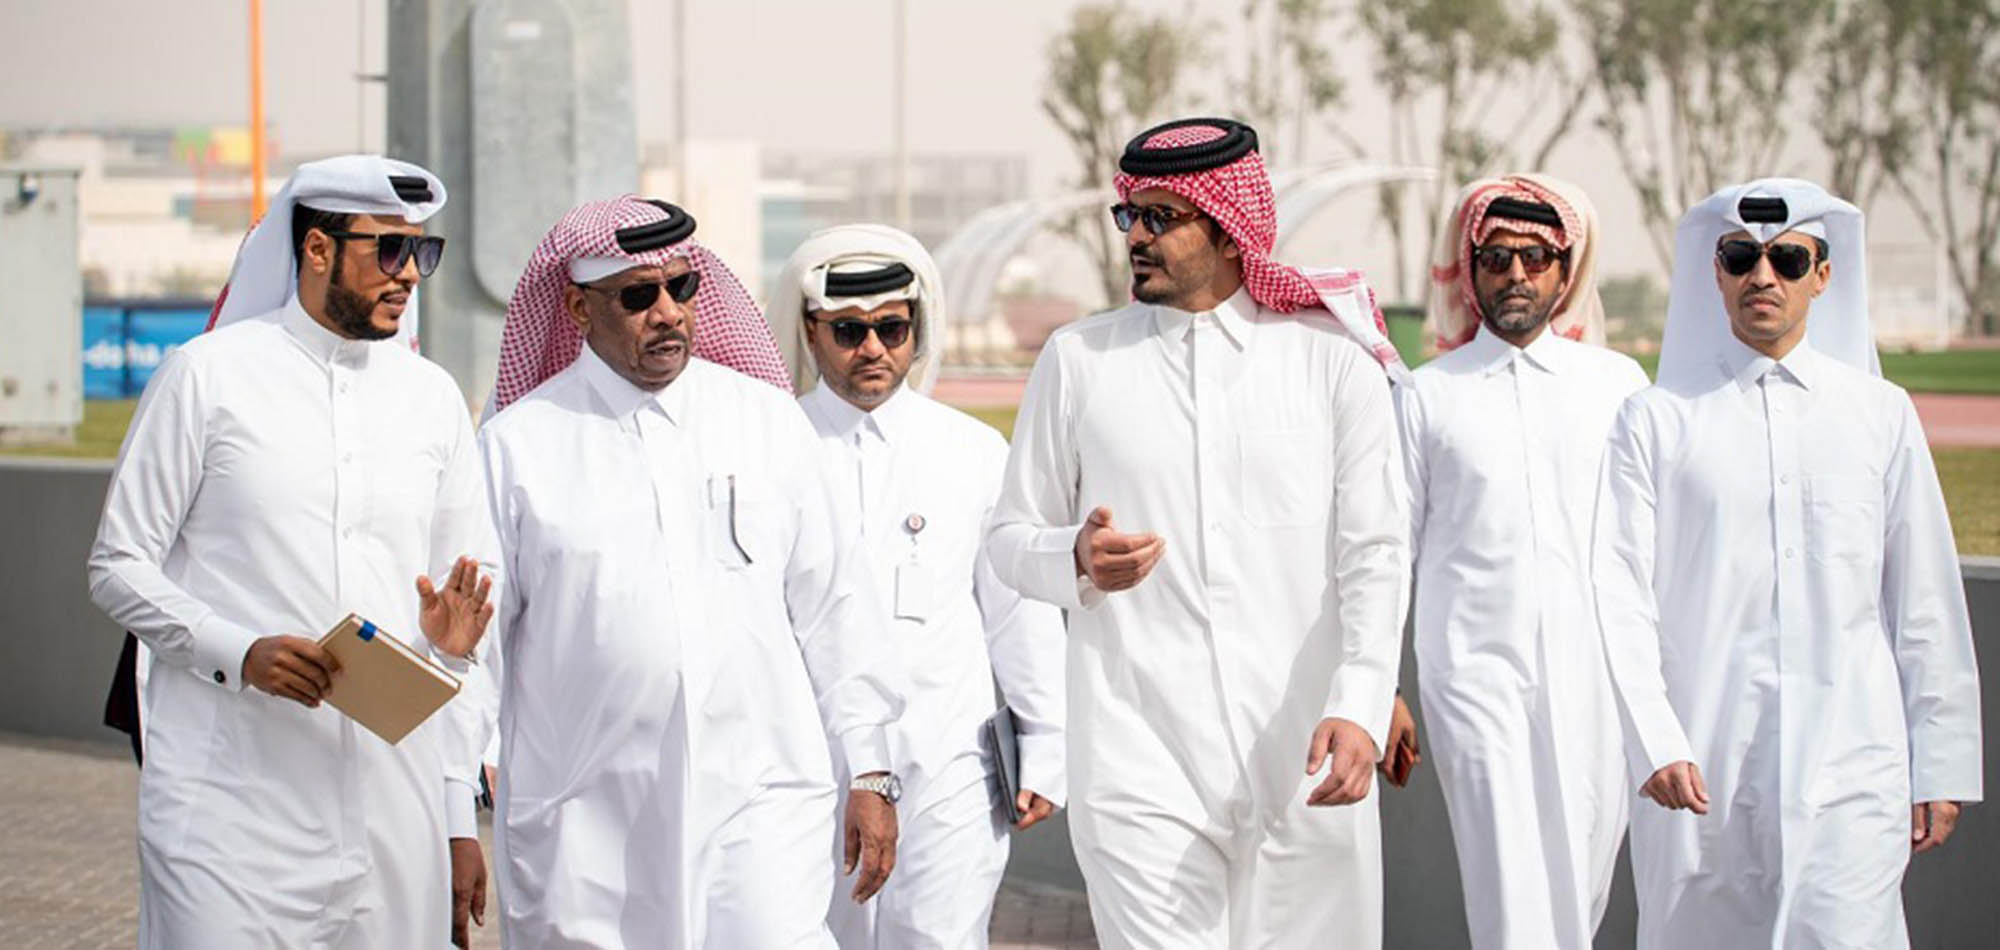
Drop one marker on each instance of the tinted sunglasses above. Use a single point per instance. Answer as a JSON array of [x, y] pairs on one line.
[[849, 333], [1791, 261], [1157, 218], [638, 298], [393, 251], [1498, 259]]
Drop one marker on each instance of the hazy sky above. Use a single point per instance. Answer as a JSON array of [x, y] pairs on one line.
[[788, 74]]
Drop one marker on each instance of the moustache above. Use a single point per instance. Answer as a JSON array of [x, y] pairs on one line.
[[1760, 296]]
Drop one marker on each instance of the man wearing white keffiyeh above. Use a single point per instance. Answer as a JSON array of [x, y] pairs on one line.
[[860, 309], [289, 467], [687, 625], [1780, 596]]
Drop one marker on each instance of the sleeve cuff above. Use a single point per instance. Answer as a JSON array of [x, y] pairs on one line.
[[461, 810], [1657, 743], [866, 749], [1365, 699], [218, 651], [1042, 767], [1051, 568]]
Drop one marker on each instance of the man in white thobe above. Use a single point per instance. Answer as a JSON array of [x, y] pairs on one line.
[[1208, 479], [1503, 435], [687, 623], [860, 310], [1780, 596], [290, 467]]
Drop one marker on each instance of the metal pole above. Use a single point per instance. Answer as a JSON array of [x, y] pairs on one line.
[[900, 109], [680, 102], [256, 110]]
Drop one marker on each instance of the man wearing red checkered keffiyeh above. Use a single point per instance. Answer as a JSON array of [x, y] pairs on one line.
[[688, 621], [1502, 436], [541, 338], [1243, 619]]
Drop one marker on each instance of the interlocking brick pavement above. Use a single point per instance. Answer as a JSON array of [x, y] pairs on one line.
[[69, 875]]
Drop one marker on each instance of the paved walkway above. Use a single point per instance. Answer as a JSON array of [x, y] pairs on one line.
[[1959, 421], [69, 867]]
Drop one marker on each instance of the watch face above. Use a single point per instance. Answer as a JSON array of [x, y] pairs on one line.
[[894, 788]]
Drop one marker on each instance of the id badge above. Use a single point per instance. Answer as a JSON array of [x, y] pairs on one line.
[[912, 593]]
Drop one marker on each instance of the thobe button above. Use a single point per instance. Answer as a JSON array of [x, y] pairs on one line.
[[221, 678], [1784, 479], [347, 532], [1789, 552]]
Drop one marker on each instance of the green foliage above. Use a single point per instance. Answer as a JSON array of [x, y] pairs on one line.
[[1112, 71]]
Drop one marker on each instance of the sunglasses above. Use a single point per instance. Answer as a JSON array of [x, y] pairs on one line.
[[1157, 218], [394, 251], [849, 333], [1791, 261], [638, 298], [1497, 259]]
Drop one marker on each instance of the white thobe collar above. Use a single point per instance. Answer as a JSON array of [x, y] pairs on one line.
[[625, 400], [1745, 366], [1493, 354], [320, 343], [888, 421], [1231, 314]]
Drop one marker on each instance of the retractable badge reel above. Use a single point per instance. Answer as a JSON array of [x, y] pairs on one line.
[[911, 594]]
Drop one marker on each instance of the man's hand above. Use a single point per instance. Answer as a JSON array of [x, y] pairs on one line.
[[1931, 823], [455, 618], [1033, 809], [293, 668], [1111, 560], [1678, 786], [1353, 755], [871, 841], [1402, 757], [468, 889]]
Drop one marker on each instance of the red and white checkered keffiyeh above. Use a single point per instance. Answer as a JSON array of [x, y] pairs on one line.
[[540, 340], [1453, 316], [1239, 197]]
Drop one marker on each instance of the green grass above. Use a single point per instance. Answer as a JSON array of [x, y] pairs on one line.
[[103, 429], [1971, 480]]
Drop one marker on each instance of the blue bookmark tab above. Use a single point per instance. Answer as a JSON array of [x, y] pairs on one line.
[[367, 630]]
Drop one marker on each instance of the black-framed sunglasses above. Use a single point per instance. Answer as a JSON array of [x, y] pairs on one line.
[[1157, 218], [1497, 259], [638, 298], [394, 250], [1791, 261], [849, 333]]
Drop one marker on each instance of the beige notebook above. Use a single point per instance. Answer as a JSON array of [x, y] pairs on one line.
[[383, 684]]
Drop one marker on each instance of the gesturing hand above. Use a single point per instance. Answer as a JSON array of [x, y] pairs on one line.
[[1114, 561], [1678, 786], [871, 842], [293, 668], [455, 618], [1353, 755]]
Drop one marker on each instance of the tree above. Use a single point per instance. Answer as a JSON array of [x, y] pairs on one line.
[[1284, 92], [1694, 93], [1111, 72], [1950, 169], [1465, 58]]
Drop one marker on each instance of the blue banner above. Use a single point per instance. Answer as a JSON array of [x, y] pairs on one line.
[[123, 345]]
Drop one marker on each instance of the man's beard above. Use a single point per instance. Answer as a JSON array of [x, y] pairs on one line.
[[351, 312], [1516, 321]]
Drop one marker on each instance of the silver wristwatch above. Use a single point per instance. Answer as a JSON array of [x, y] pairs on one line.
[[887, 785]]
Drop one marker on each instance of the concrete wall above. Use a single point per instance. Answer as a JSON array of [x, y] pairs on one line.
[[57, 652]]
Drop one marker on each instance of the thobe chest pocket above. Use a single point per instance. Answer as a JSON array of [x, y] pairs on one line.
[[1843, 518], [743, 521], [1284, 477]]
